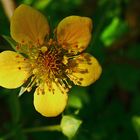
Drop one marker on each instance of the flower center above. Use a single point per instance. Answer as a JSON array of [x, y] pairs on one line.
[[48, 67], [49, 62]]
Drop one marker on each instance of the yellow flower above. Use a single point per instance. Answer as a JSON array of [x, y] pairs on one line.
[[51, 63]]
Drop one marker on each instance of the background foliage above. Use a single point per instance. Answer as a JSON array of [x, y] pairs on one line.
[[107, 110]]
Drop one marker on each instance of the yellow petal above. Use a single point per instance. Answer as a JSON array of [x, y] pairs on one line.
[[28, 25], [14, 69], [84, 70], [48, 103], [74, 33]]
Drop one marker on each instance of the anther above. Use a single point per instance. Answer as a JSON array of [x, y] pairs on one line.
[[29, 89], [44, 49], [35, 71], [65, 60]]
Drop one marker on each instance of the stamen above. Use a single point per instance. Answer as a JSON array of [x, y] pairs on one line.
[[48, 65], [30, 85], [75, 79], [44, 49], [65, 60]]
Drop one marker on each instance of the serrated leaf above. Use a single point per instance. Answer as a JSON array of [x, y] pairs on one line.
[[70, 126]]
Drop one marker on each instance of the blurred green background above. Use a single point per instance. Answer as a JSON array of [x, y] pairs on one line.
[[110, 108]]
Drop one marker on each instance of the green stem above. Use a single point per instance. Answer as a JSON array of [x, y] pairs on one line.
[[30, 130], [44, 128]]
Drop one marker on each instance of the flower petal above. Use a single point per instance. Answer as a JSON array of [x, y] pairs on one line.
[[28, 25], [49, 103], [74, 33], [84, 69], [14, 69]]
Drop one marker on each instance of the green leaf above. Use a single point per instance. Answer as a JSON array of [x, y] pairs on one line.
[[42, 4], [113, 31], [70, 126], [136, 124], [10, 41], [78, 97], [75, 102], [28, 2]]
